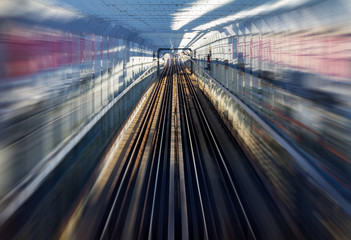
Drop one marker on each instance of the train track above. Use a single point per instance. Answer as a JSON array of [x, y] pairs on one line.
[[207, 156], [175, 181], [126, 192]]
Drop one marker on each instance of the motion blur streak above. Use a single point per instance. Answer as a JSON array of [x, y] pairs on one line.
[[55, 82], [278, 73]]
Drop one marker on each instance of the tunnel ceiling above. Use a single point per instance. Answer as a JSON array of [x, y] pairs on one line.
[[170, 23], [163, 23]]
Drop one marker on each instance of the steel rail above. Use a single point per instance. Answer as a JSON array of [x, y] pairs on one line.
[[191, 140], [136, 143], [217, 148], [166, 108]]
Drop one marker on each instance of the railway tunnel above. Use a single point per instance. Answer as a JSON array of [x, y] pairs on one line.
[[162, 119]]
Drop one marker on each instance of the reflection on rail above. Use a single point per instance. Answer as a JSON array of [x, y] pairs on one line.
[[175, 181]]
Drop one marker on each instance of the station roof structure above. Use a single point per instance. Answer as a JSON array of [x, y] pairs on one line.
[[175, 23]]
